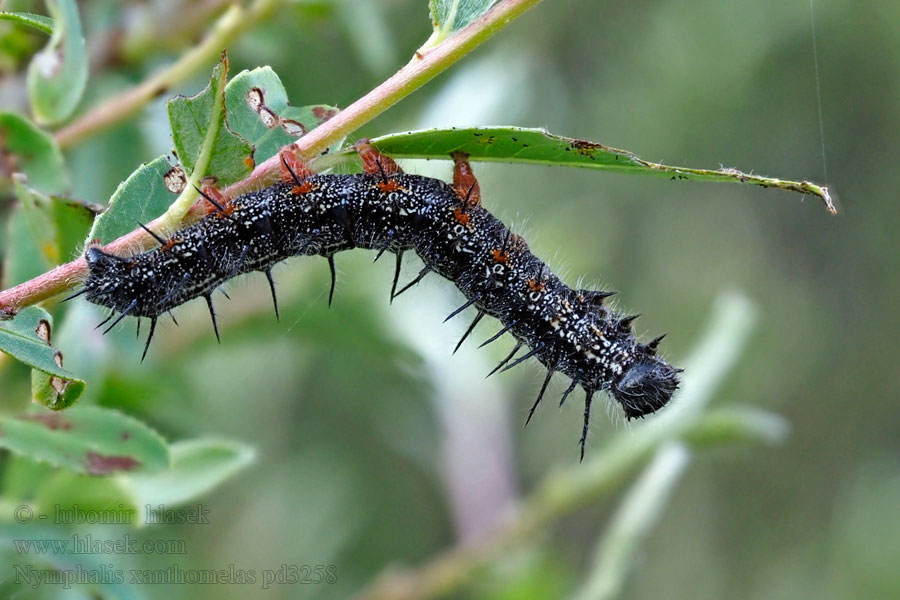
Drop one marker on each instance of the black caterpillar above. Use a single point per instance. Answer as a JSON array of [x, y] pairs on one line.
[[386, 210]]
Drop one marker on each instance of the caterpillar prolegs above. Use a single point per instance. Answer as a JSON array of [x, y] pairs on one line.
[[386, 210]]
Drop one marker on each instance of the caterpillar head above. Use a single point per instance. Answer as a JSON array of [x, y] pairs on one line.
[[646, 386], [108, 282]]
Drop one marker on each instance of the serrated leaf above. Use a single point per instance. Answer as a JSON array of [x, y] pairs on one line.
[[26, 337], [57, 74], [35, 152], [258, 111], [537, 146], [86, 439], [39, 22], [203, 141], [140, 198], [449, 16], [198, 466]]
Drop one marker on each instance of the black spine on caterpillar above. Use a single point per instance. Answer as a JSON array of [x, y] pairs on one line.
[[567, 330]]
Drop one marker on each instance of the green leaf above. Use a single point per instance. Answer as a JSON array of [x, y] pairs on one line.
[[145, 195], [22, 477], [64, 490], [57, 74], [72, 221], [198, 466], [259, 112], [39, 22], [537, 146], [44, 231], [37, 210], [203, 141], [35, 152], [449, 16], [86, 439], [26, 337], [25, 257]]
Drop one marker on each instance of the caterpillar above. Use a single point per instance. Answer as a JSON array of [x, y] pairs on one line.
[[387, 210]]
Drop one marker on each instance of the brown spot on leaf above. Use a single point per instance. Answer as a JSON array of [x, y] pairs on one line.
[[43, 330], [322, 113], [101, 464], [255, 98], [175, 180], [588, 149], [57, 358], [52, 421], [58, 384], [268, 117], [294, 128], [249, 162]]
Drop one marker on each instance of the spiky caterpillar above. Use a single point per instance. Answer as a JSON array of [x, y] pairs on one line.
[[389, 211]]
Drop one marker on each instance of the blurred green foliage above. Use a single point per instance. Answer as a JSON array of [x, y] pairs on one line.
[[356, 461]]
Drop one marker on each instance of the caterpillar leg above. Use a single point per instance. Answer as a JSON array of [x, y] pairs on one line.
[[374, 162], [292, 168], [464, 183], [219, 201]]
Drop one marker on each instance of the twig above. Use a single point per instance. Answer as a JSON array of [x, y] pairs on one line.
[[423, 67], [232, 23], [454, 568], [566, 491], [418, 71], [639, 510]]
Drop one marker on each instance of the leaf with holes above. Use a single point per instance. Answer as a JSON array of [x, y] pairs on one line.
[[26, 337], [86, 439], [205, 144], [145, 195], [258, 110], [57, 74]]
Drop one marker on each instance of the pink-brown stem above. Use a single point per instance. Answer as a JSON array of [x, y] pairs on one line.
[[424, 66]]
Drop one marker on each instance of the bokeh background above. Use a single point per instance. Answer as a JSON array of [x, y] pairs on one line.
[[376, 447]]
